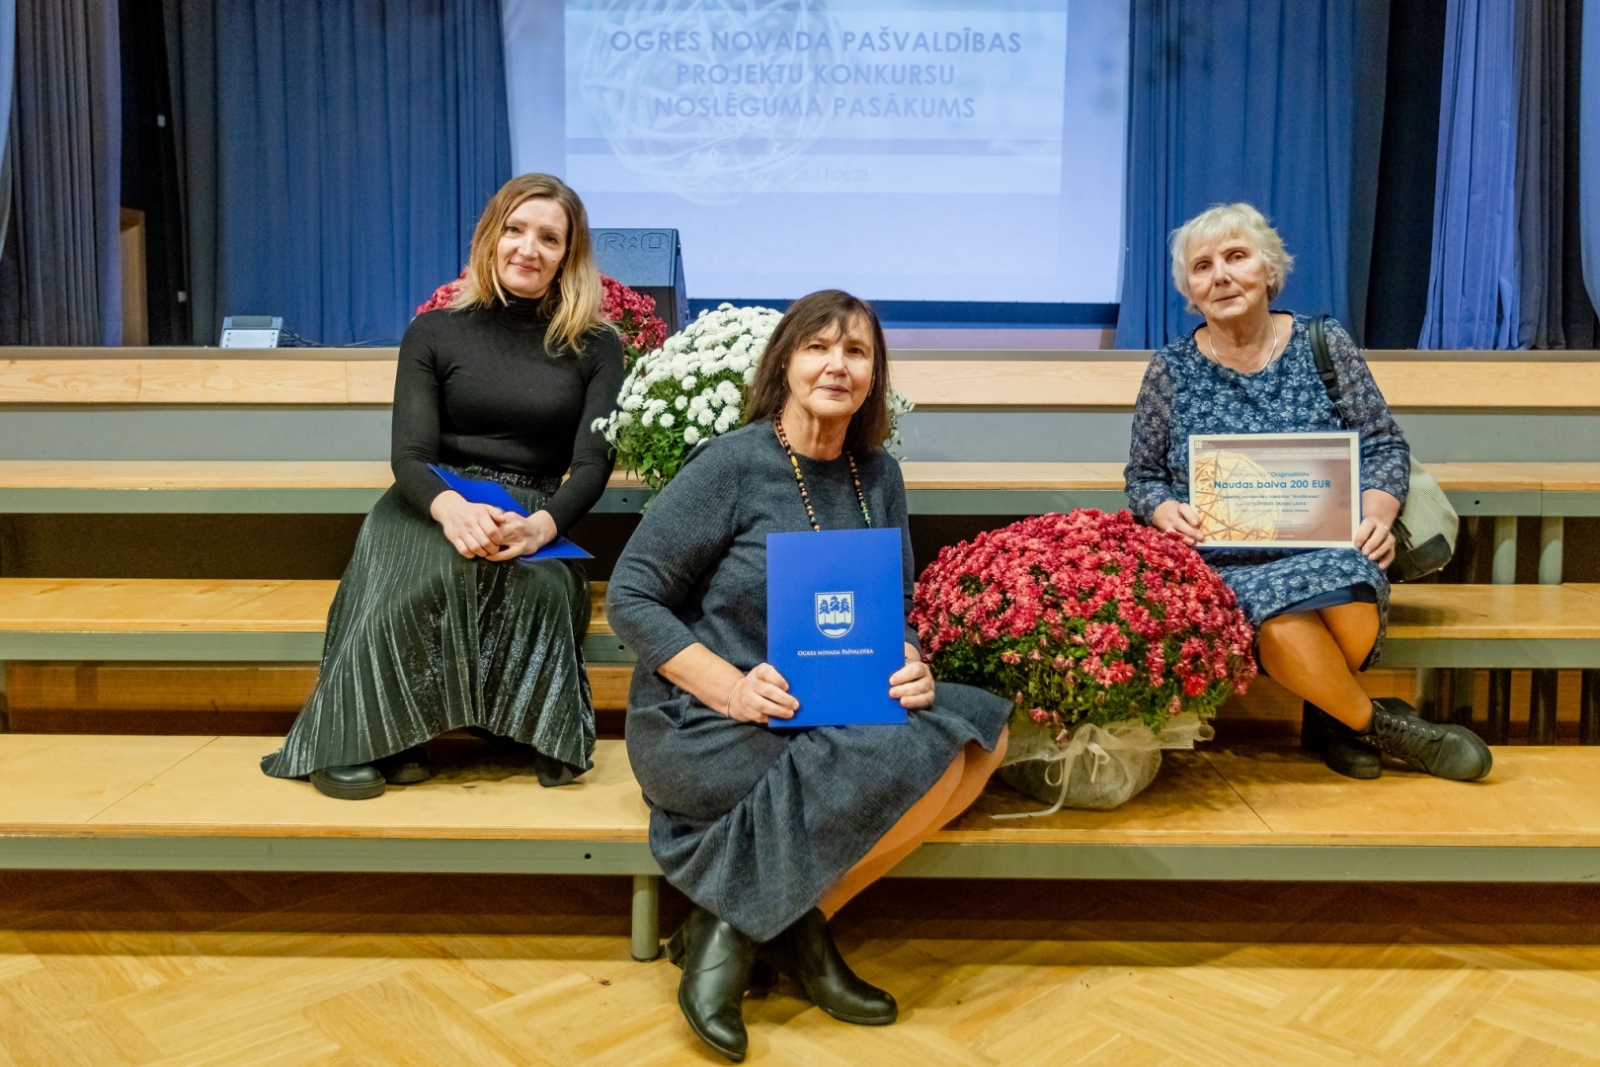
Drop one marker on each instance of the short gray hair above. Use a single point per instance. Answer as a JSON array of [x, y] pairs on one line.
[[1231, 220]]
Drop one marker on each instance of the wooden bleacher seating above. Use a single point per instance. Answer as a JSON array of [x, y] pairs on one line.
[[177, 377], [179, 621], [201, 803], [310, 487], [183, 619], [199, 621]]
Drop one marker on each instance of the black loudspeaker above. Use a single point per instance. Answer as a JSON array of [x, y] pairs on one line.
[[649, 261]]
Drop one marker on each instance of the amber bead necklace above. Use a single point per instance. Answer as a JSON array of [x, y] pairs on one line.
[[800, 479]]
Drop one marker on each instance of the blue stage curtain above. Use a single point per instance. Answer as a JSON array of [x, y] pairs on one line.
[[1474, 290], [349, 146], [8, 64], [1275, 102], [1589, 149], [1555, 312], [62, 279], [1541, 80]]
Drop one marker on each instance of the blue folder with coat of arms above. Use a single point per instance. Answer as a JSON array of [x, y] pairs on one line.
[[836, 624]]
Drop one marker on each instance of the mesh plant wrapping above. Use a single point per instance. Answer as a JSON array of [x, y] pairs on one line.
[[1085, 617]]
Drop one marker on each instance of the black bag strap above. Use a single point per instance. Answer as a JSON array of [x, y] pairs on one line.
[[1318, 329]]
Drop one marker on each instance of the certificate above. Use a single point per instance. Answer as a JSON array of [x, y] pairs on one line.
[[1276, 490], [836, 624]]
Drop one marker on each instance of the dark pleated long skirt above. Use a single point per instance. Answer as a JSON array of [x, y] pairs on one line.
[[422, 640]]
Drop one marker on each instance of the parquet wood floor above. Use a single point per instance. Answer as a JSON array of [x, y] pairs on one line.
[[123, 968]]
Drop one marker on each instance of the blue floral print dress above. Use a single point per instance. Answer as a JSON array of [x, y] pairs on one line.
[[1185, 392]]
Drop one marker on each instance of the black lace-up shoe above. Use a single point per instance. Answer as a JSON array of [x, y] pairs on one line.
[[1338, 745], [1442, 750]]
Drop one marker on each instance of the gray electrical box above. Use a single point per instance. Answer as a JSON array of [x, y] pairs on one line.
[[251, 331]]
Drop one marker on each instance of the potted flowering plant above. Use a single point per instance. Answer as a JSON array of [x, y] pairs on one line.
[[1093, 626], [635, 316], [633, 312], [691, 389]]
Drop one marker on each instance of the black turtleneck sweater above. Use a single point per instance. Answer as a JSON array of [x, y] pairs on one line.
[[479, 388]]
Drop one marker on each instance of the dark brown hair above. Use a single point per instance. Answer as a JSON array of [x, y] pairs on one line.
[[823, 312]]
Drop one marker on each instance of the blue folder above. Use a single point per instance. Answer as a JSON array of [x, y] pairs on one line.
[[836, 624], [494, 494]]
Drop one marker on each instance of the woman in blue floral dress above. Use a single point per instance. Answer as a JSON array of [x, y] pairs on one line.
[[1319, 613]]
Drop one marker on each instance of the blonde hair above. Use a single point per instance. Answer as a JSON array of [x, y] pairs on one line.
[[573, 299], [1230, 220]]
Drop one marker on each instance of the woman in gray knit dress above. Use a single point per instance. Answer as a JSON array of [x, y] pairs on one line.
[[771, 832]]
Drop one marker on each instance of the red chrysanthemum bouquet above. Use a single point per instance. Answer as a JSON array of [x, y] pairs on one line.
[[1085, 618], [635, 316]]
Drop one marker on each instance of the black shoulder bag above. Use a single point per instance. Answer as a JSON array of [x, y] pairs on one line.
[[1425, 533]]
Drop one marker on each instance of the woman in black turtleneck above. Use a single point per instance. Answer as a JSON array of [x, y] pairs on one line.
[[436, 626]]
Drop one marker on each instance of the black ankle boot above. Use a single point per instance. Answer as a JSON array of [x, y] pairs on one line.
[[1442, 750], [716, 961], [551, 771], [806, 953], [1338, 745], [361, 781]]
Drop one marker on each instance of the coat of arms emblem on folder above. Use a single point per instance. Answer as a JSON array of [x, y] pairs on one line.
[[836, 613]]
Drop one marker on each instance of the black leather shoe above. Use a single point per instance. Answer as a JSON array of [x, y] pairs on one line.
[[1441, 749], [1338, 745], [806, 953], [408, 767], [716, 961], [362, 781]]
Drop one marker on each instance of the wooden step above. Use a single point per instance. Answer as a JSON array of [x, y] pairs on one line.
[[58, 636], [201, 698], [178, 619], [178, 378], [196, 802], [214, 620], [344, 486]]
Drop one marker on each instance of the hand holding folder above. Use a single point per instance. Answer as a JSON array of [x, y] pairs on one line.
[[494, 495]]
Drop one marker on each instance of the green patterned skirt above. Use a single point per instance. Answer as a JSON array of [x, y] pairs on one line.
[[422, 640]]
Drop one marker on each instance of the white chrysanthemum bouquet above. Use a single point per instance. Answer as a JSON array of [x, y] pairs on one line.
[[691, 389]]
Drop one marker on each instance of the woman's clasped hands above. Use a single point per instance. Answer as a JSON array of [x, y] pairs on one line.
[[763, 694], [487, 532]]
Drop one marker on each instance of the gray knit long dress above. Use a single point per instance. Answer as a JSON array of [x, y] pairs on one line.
[[751, 823]]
